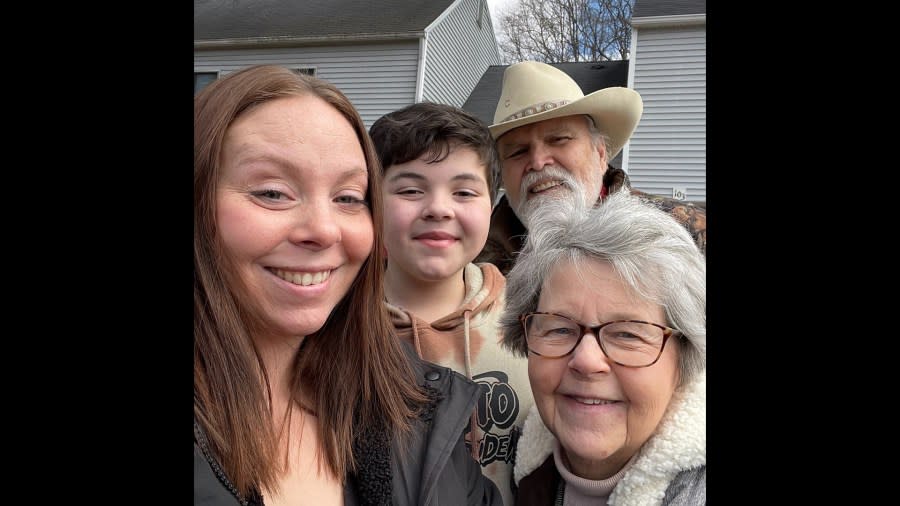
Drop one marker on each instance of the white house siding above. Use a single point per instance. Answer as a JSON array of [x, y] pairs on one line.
[[458, 53], [377, 77], [668, 148]]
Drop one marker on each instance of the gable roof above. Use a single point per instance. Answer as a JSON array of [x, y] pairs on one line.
[[648, 8], [590, 76], [313, 19]]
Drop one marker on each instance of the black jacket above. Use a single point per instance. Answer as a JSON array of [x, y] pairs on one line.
[[437, 469]]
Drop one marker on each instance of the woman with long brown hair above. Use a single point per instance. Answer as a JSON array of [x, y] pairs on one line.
[[302, 394]]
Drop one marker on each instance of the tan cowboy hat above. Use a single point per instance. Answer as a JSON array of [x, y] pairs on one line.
[[534, 91]]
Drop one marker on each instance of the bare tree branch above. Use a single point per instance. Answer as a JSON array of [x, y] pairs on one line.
[[565, 30]]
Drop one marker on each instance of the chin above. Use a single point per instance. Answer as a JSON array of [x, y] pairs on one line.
[[590, 452], [305, 326], [433, 276]]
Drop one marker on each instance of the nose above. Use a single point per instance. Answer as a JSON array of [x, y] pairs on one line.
[[438, 207], [588, 357], [539, 157], [316, 226]]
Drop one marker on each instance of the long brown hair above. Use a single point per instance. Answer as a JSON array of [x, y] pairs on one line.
[[353, 369]]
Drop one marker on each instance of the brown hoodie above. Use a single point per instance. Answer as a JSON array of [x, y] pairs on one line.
[[468, 341]]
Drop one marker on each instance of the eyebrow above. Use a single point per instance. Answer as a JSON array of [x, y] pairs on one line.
[[616, 316], [563, 129], [251, 156], [509, 145], [559, 130], [351, 173], [285, 165], [466, 176], [409, 175]]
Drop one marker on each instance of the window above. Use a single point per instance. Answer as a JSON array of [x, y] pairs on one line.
[[201, 79]]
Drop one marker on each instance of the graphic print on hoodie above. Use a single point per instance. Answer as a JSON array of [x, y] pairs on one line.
[[468, 341]]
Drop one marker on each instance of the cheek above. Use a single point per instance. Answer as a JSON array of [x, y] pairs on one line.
[[583, 171], [649, 394], [582, 162], [398, 218], [511, 177], [477, 220], [358, 237], [544, 376], [647, 409], [243, 233]]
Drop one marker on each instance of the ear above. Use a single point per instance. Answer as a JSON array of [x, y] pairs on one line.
[[604, 167], [601, 151]]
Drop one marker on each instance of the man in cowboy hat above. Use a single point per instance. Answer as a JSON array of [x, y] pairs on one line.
[[550, 137]]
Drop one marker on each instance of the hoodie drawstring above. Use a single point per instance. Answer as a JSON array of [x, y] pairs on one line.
[[466, 314], [416, 342], [473, 422]]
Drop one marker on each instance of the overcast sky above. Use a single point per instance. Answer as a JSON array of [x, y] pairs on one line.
[[494, 6]]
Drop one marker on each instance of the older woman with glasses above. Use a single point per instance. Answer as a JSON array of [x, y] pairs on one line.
[[609, 305]]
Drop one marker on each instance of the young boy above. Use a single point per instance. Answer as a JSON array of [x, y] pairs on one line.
[[439, 170]]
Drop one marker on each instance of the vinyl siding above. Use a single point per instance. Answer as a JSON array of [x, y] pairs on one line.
[[378, 78], [668, 148], [459, 52]]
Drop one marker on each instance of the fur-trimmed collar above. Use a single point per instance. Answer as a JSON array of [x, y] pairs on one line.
[[679, 444]]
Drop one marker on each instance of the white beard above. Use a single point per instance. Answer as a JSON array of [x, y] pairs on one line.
[[570, 188]]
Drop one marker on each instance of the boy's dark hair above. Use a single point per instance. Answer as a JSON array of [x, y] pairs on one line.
[[429, 129]]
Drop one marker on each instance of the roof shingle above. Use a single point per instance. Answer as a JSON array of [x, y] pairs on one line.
[[250, 19], [648, 8]]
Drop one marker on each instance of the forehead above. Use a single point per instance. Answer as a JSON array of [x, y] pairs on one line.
[[297, 132], [573, 281], [290, 122], [462, 159], [573, 278]]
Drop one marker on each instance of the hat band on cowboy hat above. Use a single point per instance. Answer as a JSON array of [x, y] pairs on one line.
[[534, 91], [535, 109]]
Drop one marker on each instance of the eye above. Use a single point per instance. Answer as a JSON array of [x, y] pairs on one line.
[[409, 191], [514, 153], [351, 200], [466, 193], [625, 336], [269, 194], [559, 139]]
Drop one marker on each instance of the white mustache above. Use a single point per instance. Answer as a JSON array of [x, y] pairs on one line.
[[548, 173]]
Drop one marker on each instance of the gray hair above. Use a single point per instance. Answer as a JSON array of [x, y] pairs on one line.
[[651, 252], [597, 136]]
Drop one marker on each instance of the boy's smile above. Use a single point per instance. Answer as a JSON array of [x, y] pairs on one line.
[[436, 239]]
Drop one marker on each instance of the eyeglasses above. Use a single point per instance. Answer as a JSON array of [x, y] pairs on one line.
[[629, 343]]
